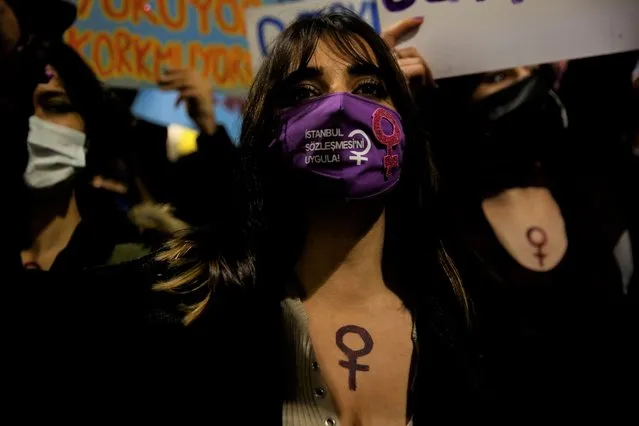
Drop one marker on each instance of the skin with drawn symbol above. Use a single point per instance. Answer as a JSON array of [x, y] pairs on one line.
[[351, 365], [538, 238]]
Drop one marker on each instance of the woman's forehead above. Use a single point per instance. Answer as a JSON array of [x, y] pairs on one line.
[[330, 53]]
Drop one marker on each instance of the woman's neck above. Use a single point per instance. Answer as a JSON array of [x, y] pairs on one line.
[[52, 226], [341, 259]]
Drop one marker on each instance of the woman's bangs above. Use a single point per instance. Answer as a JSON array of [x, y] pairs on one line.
[[350, 47], [301, 52], [347, 46]]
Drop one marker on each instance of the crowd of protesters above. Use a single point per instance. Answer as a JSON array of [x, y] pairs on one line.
[[380, 248]]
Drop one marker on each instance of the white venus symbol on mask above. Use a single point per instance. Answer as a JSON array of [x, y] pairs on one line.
[[359, 156]]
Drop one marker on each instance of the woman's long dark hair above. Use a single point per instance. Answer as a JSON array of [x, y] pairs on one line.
[[262, 234]]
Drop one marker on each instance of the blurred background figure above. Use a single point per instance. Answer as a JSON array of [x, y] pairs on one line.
[[9, 30], [26, 28], [173, 160], [76, 206], [537, 230]]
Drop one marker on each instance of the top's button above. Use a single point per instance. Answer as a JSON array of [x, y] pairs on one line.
[[319, 393]]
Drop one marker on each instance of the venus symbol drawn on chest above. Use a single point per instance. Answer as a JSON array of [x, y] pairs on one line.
[[538, 238], [351, 365]]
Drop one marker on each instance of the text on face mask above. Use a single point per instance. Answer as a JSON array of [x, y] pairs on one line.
[[322, 133], [323, 159], [335, 145], [359, 148]]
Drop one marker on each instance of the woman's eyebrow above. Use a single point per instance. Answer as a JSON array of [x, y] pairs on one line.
[[358, 70], [49, 95], [303, 73]]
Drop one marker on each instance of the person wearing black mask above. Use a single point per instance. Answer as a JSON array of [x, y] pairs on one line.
[[541, 275]]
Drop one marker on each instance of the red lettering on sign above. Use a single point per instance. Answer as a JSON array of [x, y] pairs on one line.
[[174, 23], [123, 46], [236, 24], [141, 48], [101, 40], [84, 8], [78, 39], [203, 7], [246, 72], [141, 10], [170, 53], [113, 13]]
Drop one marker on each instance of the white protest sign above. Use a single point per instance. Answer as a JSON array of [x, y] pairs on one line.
[[264, 24], [470, 36]]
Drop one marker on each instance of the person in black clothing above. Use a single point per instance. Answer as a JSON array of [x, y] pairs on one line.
[[179, 183], [167, 178], [73, 135], [309, 242], [44, 79], [26, 27], [297, 265], [532, 225], [604, 125]]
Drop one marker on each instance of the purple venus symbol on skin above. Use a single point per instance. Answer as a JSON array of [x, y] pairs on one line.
[[537, 237], [351, 365]]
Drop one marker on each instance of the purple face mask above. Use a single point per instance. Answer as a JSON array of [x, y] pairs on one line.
[[350, 146]]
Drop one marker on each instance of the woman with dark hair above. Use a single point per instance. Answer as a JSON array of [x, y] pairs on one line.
[[23, 33], [321, 295], [73, 136], [333, 162], [534, 228]]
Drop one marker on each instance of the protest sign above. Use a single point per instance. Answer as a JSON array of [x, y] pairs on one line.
[[266, 22], [470, 36], [129, 42]]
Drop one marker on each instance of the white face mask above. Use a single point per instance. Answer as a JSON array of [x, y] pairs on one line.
[[55, 152]]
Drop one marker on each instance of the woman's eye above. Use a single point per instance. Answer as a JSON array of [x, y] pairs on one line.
[[304, 92], [496, 78], [58, 107], [371, 89]]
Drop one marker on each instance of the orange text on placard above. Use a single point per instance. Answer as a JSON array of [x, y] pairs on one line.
[[226, 15], [125, 55]]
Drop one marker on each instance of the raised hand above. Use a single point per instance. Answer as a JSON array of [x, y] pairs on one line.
[[411, 63], [196, 92]]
